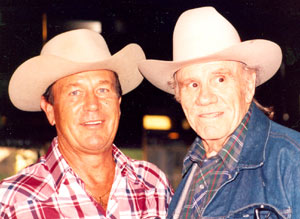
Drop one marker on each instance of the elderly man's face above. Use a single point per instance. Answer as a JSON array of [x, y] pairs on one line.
[[215, 97], [86, 111]]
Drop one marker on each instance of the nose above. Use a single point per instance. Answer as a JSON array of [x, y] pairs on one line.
[[91, 102], [206, 96]]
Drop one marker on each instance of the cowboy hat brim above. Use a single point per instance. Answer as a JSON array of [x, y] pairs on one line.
[[33, 77], [263, 55]]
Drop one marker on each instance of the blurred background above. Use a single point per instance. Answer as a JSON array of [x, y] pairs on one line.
[[152, 125]]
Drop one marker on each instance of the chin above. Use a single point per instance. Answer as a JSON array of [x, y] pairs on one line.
[[211, 134], [94, 142]]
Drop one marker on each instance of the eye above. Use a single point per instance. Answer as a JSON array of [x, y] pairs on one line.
[[220, 79], [193, 85], [75, 93], [102, 90]]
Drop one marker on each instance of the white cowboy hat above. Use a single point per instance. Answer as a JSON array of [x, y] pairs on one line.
[[203, 35], [69, 53]]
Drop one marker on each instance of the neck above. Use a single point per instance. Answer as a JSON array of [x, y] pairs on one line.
[[96, 170], [213, 147]]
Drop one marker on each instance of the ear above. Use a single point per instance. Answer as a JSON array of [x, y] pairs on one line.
[[120, 99], [250, 86], [49, 110], [175, 86], [177, 94]]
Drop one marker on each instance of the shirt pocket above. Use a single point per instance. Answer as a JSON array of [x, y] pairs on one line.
[[262, 211]]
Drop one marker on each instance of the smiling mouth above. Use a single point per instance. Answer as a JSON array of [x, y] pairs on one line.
[[210, 115], [93, 123]]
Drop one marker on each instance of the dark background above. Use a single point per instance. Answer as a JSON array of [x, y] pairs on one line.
[[150, 24]]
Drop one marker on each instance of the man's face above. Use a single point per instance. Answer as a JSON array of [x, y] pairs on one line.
[[215, 97], [86, 111]]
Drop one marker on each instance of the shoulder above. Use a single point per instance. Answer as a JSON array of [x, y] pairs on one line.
[[149, 174], [285, 137], [265, 134], [283, 147], [28, 183], [141, 172]]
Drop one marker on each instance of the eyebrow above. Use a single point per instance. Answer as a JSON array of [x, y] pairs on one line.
[[105, 82], [100, 82], [222, 71]]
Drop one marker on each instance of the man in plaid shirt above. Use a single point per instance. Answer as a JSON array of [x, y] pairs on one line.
[[78, 84]]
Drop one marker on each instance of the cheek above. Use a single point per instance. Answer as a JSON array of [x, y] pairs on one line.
[[111, 107], [188, 101], [190, 113], [185, 106], [69, 113], [242, 102], [239, 108]]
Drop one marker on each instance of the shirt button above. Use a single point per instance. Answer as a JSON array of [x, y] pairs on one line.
[[201, 186]]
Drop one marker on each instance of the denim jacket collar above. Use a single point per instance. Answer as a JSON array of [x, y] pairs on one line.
[[258, 134]]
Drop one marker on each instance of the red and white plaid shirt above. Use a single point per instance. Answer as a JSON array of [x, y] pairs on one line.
[[50, 189]]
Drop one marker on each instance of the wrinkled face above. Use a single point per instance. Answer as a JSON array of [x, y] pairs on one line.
[[215, 97], [86, 111]]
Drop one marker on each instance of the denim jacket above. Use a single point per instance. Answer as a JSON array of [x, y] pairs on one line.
[[267, 177]]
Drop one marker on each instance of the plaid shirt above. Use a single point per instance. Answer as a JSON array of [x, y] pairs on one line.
[[211, 173], [50, 189]]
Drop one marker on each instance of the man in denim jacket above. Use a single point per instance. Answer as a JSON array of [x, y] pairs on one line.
[[242, 164]]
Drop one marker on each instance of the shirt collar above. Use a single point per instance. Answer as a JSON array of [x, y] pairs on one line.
[[229, 153], [120, 159], [124, 165], [58, 166]]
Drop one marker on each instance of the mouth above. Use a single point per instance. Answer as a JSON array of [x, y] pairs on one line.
[[93, 123], [210, 115]]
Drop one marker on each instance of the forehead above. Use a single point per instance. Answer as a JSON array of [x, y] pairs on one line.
[[104, 76], [206, 68]]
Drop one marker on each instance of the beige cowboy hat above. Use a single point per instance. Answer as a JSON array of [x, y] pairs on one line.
[[203, 35], [69, 53]]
